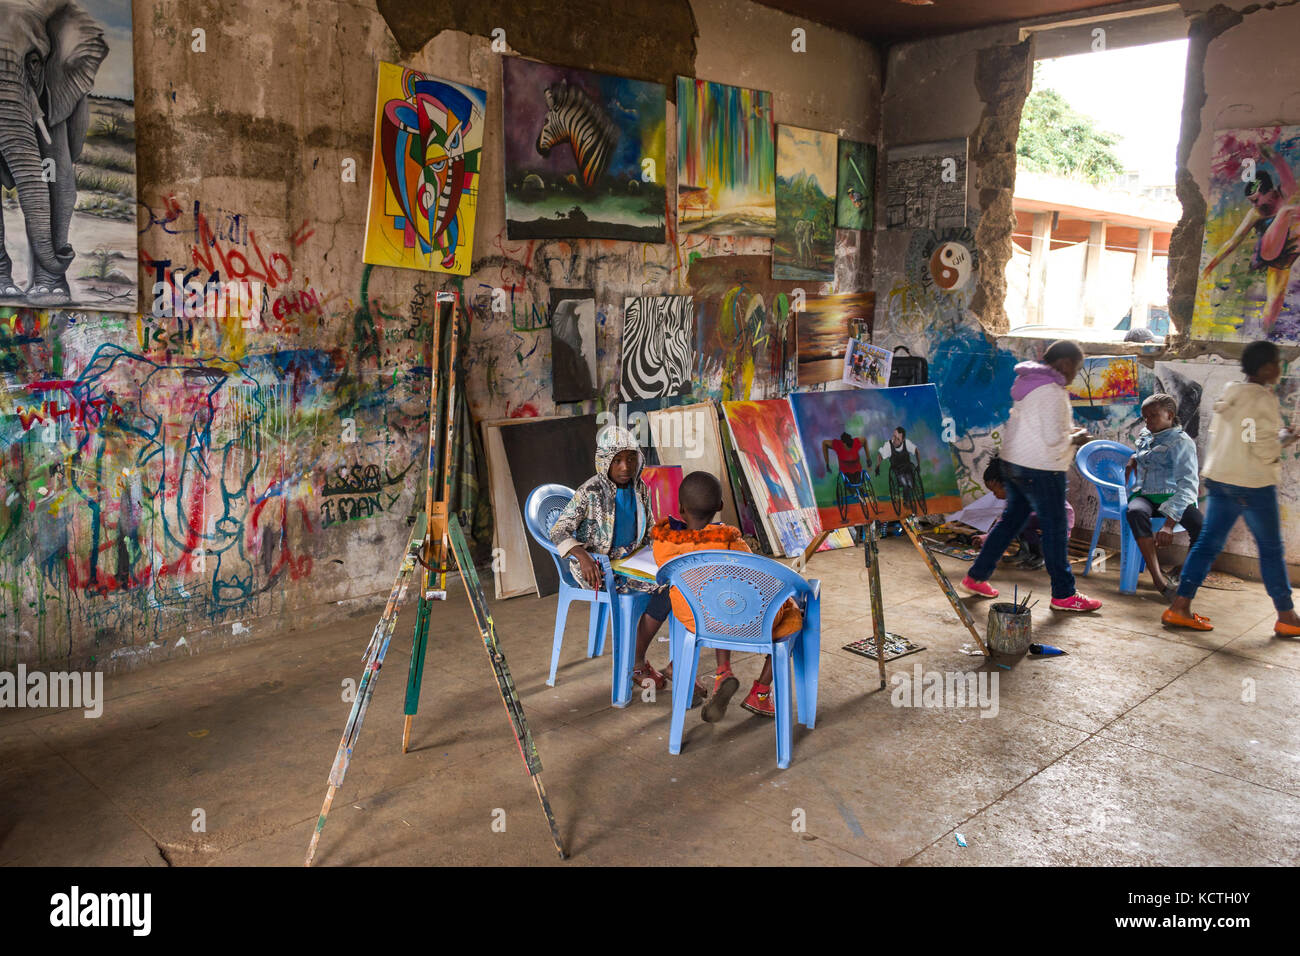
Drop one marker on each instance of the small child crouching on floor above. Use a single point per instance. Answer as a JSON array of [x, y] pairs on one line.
[[700, 498], [1031, 537]]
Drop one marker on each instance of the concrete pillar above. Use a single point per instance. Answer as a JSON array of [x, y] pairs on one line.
[[1036, 305], [1092, 281], [1142, 279]]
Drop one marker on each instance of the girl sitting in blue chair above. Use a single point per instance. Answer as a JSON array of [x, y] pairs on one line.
[[1167, 483]]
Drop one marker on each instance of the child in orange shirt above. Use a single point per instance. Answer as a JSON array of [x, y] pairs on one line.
[[700, 498]]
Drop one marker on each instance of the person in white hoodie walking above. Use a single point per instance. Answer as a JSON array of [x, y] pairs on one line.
[[1037, 449], [1242, 469]]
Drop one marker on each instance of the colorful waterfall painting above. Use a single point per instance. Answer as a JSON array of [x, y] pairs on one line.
[[726, 160]]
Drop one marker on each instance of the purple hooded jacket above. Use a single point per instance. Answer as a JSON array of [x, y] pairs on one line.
[[1037, 434], [1032, 375]]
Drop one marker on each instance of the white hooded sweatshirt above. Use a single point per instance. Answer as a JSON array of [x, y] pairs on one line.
[[1245, 449], [1038, 433]]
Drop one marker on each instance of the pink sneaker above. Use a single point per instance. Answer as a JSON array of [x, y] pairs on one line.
[[1075, 602], [977, 588]]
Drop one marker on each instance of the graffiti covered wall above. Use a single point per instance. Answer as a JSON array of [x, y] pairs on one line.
[[173, 481]]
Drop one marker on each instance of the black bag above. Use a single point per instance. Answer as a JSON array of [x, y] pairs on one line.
[[908, 369]]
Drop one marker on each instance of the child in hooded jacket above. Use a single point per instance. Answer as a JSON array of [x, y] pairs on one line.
[[1037, 450], [1243, 466], [699, 498], [610, 515]]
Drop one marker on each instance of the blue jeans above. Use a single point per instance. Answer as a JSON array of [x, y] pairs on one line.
[[1031, 491], [1259, 507]]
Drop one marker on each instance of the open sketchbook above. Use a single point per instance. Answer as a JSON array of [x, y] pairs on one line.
[[639, 564]]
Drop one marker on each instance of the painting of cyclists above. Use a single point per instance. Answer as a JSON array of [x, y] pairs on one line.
[[866, 365], [876, 453], [1249, 287]]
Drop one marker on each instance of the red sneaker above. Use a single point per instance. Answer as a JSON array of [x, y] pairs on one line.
[[977, 588], [1075, 602], [759, 700]]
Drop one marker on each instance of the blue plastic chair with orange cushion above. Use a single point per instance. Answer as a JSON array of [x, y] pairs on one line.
[[544, 505], [734, 598]]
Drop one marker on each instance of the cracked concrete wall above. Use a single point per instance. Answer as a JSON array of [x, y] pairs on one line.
[[969, 86], [292, 506], [1240, 73]]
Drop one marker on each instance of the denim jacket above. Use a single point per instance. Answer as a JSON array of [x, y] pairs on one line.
[[1166, 465]]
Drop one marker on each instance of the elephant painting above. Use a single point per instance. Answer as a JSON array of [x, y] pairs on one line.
[[803, 242], [50, 54]]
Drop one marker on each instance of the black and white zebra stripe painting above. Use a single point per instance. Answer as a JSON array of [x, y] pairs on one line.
[[572, 117], [658, 346]]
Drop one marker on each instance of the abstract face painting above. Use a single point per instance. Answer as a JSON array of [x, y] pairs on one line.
[[424, 172]]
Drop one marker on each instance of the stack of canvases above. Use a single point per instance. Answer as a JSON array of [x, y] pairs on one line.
[[584, 158]]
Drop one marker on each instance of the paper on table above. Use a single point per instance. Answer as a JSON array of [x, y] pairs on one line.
[[639, 564], [981, 513]]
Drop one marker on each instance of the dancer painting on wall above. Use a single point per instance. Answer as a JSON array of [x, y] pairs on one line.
[[1272, 220]]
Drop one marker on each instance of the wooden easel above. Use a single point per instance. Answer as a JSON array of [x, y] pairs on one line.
[[869, 546], [436, 537], [913, 532]]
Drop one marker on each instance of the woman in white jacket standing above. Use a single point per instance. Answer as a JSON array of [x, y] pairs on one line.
[[1037, 449], [1242, 469]]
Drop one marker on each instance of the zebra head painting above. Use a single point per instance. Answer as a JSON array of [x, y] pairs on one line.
[[658, 346], [573, 117], [584, 154]]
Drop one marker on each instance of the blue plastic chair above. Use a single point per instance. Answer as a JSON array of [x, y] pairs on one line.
[[1102, 463], [734, 598], [544, 505], [1131, 562]]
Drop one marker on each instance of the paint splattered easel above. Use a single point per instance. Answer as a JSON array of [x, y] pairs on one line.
[[436, 537], [869, 546]]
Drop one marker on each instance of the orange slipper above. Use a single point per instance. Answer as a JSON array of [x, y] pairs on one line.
[[1283, 629], [1196, 622]]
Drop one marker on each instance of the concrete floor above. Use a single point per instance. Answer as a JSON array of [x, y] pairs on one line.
[[1135, 749]]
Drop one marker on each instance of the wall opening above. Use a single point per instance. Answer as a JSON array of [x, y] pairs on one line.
[[1095, 201]]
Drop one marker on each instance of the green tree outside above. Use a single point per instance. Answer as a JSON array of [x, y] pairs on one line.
[[1056, 138]]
